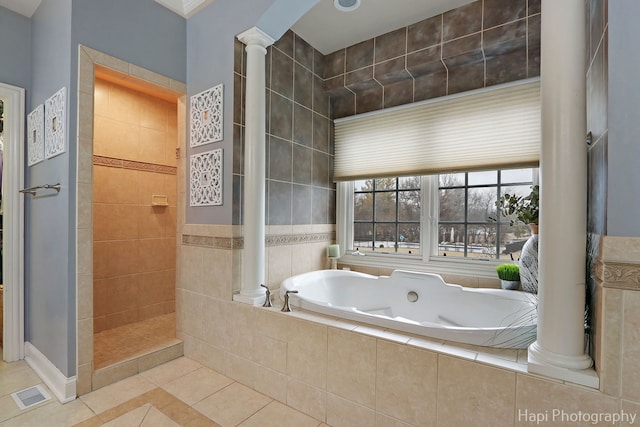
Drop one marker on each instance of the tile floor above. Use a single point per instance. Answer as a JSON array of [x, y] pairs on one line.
[[178, 393], [128, 341]]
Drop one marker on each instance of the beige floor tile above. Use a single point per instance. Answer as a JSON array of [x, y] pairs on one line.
[[21, 377], [53, 414], [197, 385], [170, 371], [131, 418], [232, 405], [156, 418], [115, 394], [275, 414], [9, 410]]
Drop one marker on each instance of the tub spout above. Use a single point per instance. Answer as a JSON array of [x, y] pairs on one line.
[[285, 307], [267, 296]]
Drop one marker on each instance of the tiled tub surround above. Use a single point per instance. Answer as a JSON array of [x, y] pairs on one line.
[[210, 256], [135, 136], [477, 45], [348, 374], [617, 317]]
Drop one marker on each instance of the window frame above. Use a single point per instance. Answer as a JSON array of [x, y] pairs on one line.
[[428, 261]]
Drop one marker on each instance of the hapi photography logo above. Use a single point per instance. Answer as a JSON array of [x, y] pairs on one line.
[[562, 416]]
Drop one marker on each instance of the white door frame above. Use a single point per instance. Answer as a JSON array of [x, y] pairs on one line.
[[13, 221]]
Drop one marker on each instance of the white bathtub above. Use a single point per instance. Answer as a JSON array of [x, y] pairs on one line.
[[420, 303]]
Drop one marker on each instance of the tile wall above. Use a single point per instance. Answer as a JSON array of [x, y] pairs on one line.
[[481, 44], [300, 189], [134, 242]]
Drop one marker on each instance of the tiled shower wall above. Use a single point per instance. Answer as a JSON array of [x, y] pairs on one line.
[[134, 242]]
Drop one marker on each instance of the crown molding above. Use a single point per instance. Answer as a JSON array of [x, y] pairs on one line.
[[185, 8]]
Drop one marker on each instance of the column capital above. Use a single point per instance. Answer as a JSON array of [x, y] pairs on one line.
[[255, 36]]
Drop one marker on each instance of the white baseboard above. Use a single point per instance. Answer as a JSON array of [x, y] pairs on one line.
[[62, 387]]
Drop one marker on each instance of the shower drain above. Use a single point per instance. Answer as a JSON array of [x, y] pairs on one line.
[[412, 296]]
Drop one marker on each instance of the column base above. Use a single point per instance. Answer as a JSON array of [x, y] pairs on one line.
[[577, 370], [253, 299]]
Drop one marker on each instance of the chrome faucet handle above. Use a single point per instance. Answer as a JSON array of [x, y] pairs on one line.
[[285, 307], [267, 295]]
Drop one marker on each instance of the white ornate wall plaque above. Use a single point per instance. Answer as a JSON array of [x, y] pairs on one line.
[[55, 123], [206, 178], [35, 136], [206, 116]]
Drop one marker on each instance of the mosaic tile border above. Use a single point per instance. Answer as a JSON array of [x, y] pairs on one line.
[[213, 242], [271, 240], [130, 164], [619, 275]]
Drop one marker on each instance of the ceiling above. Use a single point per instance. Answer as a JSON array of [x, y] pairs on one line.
[[324, 27], [23, 7], [328, 29]]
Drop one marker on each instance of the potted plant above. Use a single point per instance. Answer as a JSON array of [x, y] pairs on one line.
[[509, 275], [526, 210]]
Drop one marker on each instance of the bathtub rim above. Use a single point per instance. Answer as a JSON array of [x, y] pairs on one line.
[[416, 328]]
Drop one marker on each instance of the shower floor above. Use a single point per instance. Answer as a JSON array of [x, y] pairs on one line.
[[132, 340]]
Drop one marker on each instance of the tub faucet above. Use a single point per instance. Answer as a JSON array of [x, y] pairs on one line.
[[267, 297], [285, 307]]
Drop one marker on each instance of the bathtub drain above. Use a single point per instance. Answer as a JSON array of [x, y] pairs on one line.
[[412, 296]]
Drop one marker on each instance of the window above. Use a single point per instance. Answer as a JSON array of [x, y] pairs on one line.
[[438, 217], [387, 215], [469, 225]]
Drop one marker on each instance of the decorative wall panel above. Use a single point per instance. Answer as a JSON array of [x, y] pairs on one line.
[[35, 136], [206, 178], [55, 124], [206, 116]]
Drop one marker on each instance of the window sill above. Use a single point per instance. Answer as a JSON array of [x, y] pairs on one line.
[[476, 268]]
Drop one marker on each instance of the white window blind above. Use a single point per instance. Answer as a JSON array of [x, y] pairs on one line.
[[478, 130]]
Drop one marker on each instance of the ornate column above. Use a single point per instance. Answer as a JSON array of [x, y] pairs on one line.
[[559, 351], [256, 41]]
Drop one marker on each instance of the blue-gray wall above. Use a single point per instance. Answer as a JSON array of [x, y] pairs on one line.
[[141, 32], [623, 148], [15, 49], [49, 288]]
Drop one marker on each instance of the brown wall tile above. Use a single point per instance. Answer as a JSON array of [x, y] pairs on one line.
[[424, 34], [462, 21], [391, 45], [303, 52], [391, 71], [369, 100], [359, 55], [398, 93], [426, 61], [499, 12]]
